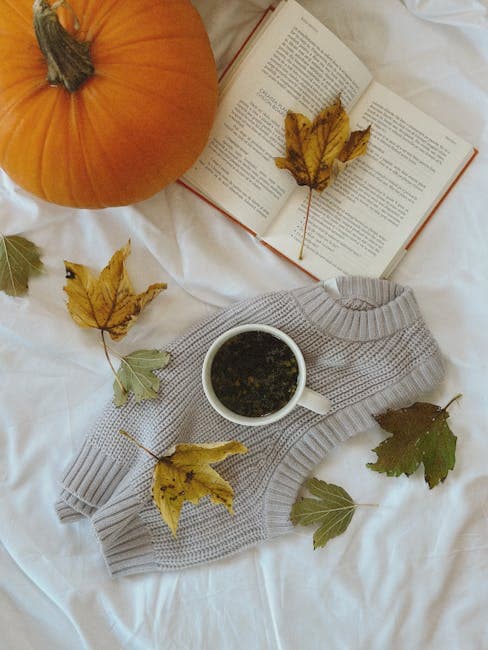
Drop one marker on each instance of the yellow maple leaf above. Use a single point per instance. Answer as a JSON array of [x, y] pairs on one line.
[[186, 475], [318, 150], [107, 302]]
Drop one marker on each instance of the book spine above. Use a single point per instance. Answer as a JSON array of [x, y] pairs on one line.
[[236, 55], [216, 207]]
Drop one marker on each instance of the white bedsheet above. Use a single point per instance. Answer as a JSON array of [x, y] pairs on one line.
[[411, 574]]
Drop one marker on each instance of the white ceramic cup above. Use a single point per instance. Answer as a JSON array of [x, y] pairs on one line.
[[303, 396]]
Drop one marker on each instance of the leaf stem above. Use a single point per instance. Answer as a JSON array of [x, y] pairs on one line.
[[136, 442], [68, 60], [105, 349], [114, 352], [456, 397], [300, 254]]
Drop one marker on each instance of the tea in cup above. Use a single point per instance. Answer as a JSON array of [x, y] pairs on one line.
[[255, 374]]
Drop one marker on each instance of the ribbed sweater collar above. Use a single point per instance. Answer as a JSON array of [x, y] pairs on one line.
[[364, 309]]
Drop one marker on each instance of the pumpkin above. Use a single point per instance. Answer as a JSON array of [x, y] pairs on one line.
[[103, 102]]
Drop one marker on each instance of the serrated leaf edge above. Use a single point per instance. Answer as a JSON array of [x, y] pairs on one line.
[[123, 398], [33, 269], [442, 413]]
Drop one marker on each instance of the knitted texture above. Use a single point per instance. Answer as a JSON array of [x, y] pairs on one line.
[[367, 349]]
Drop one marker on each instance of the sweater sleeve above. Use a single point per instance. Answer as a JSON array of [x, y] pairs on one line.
[[101, 462]]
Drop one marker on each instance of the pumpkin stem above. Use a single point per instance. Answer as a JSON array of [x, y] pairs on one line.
[[68, 60]]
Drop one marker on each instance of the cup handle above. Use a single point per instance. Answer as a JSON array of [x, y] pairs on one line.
[[314, 401]]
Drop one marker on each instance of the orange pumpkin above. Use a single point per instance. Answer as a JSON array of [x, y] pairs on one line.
[[106, 109]]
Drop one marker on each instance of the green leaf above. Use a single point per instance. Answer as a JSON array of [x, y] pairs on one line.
[[421, 434], [333, 510], [135, 374], [19, 260]]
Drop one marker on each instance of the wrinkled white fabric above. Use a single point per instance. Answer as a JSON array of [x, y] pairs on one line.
[[408, 574], [472, 13]]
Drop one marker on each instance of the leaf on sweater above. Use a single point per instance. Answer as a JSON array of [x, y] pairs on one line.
[[184, 474], [107, 302], [333, 510], [20, 259], [317, 151], [136, 374], [421, 434]]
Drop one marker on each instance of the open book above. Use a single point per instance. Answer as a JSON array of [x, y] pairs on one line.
[[365, 221]]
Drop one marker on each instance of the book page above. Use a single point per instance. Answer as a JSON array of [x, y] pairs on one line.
[[246, 48], [295, 64], [360, 224]]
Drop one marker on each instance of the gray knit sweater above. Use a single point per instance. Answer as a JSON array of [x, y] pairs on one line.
[[367, 349]]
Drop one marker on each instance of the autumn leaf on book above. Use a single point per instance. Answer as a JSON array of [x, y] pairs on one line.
[[316, 152], [184, 474]]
